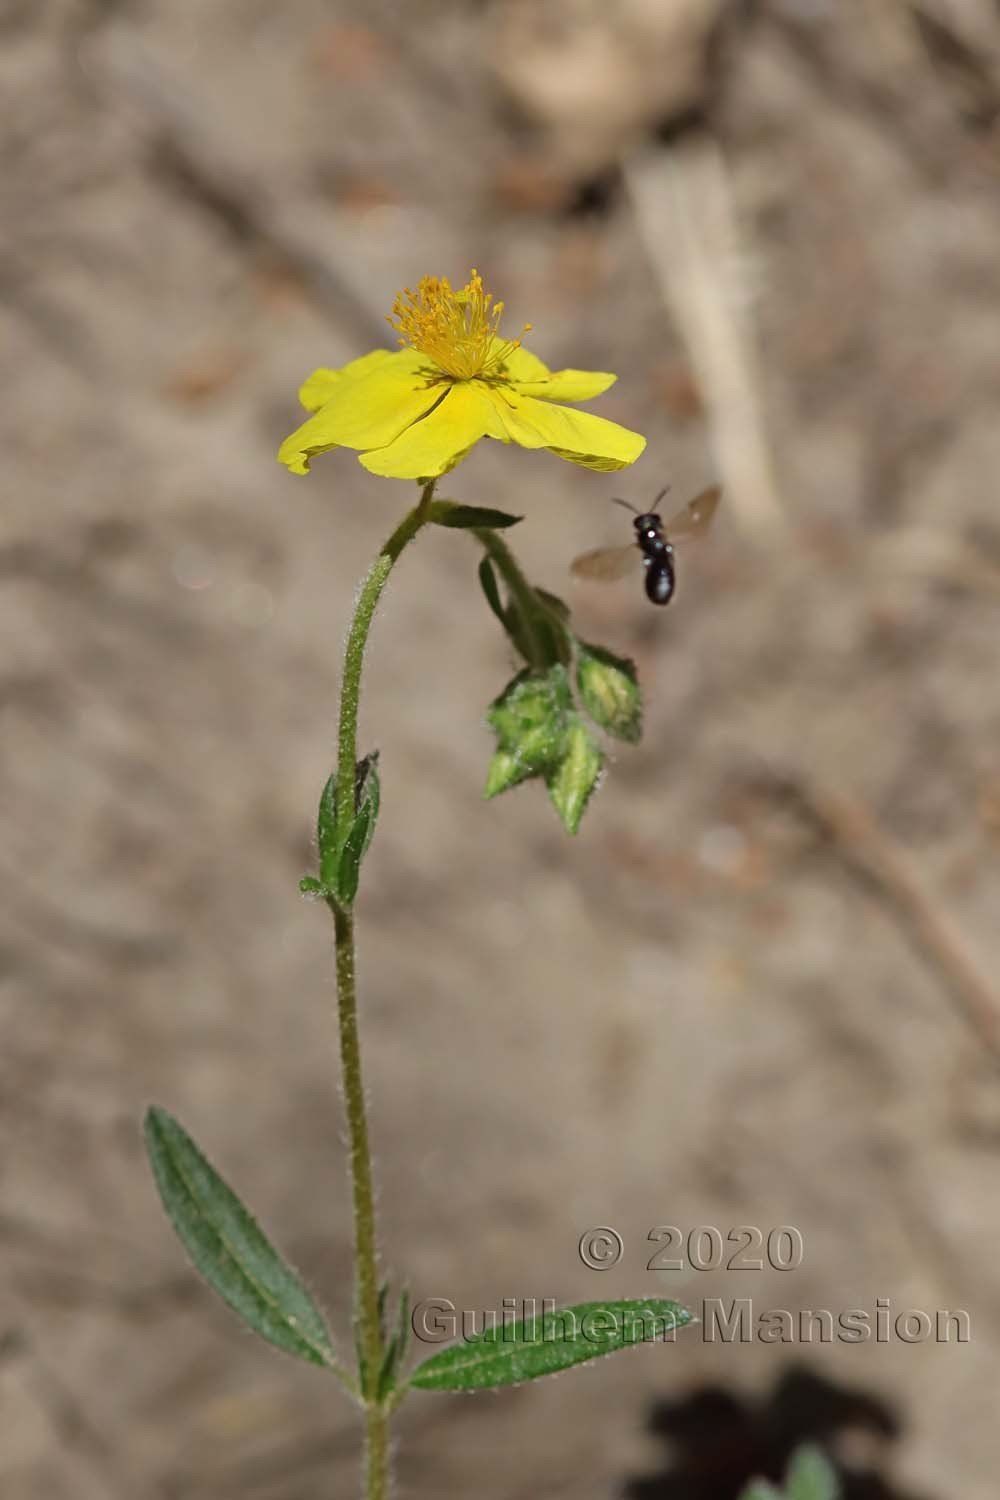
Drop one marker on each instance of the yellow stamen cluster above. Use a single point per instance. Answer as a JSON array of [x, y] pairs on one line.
[[458, 331]]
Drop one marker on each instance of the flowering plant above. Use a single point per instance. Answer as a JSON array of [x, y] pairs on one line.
[[415, 414]]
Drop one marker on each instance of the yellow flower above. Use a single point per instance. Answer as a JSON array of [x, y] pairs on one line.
[[416, 413]]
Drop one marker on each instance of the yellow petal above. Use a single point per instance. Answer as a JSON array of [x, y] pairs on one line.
[[600, 462], [318, 389], [521, 364], [529, 376], [301, 446], [567, 385], [366, 409], [577, 436], [438, 442]]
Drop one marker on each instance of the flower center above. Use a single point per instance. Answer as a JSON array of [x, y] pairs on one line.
[[458, 331]]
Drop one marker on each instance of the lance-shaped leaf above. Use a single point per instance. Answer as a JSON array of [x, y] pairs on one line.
[[349, 868], [551, 1341], [357, 1327], [488, 584], [557, 606], [536, 623], [538, 630], [229, 1249], [367, 797], [367, 793], [326, 834], [340, 866], [468, 517], [396, 1347]]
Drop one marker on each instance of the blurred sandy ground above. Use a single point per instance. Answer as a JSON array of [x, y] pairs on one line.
[[731, 1000]]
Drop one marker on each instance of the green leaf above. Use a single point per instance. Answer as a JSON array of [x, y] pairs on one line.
[[468, 517], [538, 633], [543, 639], [326, 835], [811, 1476], [760, 1489], [514, 624], [609, 691], [575, 778], [228, 1247], [368, 792], [349, 867], [557, 641], [542, 1345], [339, 867], [558, 606], [488, 583], [396, 1348], [359, 1338]]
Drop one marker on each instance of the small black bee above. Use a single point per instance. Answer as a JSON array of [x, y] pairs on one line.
[[655, 543]]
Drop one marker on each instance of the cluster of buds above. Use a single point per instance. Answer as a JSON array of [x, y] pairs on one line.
[[541, 731]]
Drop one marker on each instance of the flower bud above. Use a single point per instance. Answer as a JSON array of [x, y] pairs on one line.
[[505, 771], [574, 779], [610, 692], [530, 718]]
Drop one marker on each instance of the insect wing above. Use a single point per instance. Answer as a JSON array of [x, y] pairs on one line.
[[606, 563], [696, 517]]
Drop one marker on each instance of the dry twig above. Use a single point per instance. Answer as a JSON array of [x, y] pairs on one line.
[[686, 219]]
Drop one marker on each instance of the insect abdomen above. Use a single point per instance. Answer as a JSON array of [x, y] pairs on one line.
[[659, 579]]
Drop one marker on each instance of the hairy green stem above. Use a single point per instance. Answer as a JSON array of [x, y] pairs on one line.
[[377, 1463], [354, 656], [363, 1193]]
